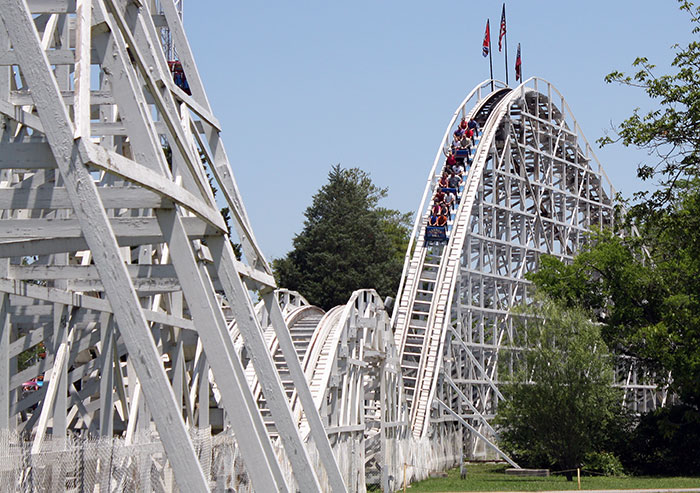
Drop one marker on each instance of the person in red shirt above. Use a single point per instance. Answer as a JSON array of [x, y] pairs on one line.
[[439, 196]]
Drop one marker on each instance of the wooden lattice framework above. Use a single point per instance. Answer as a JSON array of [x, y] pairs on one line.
[[115, 261]]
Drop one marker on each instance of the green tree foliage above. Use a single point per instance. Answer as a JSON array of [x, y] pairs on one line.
[[347, 243], [665, 442], [560, 407], [645, 290], [671, 132]]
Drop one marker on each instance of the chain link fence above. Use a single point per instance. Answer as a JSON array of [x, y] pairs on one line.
[[78, 463]]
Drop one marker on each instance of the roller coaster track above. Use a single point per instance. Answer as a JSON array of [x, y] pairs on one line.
[[351, 367], [120, 288], [427, 290], [534, 187]]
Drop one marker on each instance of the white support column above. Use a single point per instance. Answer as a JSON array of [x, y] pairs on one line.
[[60, 370], [81, 104], [107, 379], [262, 362], [318, 432], [245, 420], [5, 361], [60, 360]]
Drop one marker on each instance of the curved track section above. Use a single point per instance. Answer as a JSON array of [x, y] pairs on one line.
[[535, 187], [351, 367]]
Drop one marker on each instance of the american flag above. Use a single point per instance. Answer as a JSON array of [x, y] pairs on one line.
[[503, 27], [487, 40], [518, 65]]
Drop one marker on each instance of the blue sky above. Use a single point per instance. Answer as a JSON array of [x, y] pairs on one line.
[[300, 86]]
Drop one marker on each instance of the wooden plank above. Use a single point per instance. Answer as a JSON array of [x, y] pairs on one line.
[[81, 104], [57, 197], [24, 98], [54, 379], [145, 228], [129, 170], [245, 419], [56, 57], [107, 351], [5, 353], [51, 6], [318, 433]]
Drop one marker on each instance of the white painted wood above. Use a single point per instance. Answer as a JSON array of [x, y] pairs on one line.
[[318, 433], [5, 374], [107, 352], [98, 234], [252, 440], [54, 383], [81, 106]]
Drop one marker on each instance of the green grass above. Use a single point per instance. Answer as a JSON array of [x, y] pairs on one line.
[[492, 477]]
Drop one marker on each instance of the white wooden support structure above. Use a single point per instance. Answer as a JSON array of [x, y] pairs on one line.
[[105, 211]]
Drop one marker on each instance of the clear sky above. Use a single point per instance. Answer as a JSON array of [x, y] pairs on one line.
[[300, 86]]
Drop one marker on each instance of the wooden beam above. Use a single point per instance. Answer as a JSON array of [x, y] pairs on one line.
[[5, 353], [81, 105], [245, 419], [318, 433]]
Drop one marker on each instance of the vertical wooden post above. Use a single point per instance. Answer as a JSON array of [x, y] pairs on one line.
[[81, 105], [4, 361], [107, 378], [404, 477]]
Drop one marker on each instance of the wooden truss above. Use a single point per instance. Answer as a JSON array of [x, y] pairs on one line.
[[534, 187], [114, 257]]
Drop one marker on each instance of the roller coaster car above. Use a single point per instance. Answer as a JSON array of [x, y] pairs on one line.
[[179, 76], [449, 190], [462, 153], [436, 233]]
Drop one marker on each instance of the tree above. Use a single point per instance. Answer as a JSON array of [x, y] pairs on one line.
[[560, 407], [644, 290], [347, 243], [670, 133]]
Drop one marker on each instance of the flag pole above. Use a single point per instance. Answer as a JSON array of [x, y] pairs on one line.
[[490, 59], [505, 38]]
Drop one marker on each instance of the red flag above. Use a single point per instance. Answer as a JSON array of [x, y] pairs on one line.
[[503, 27], [518, 65], [487, 40]]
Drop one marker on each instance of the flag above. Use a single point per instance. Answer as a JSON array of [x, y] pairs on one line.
[[487, 40], [518, 63], [503, 27]]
